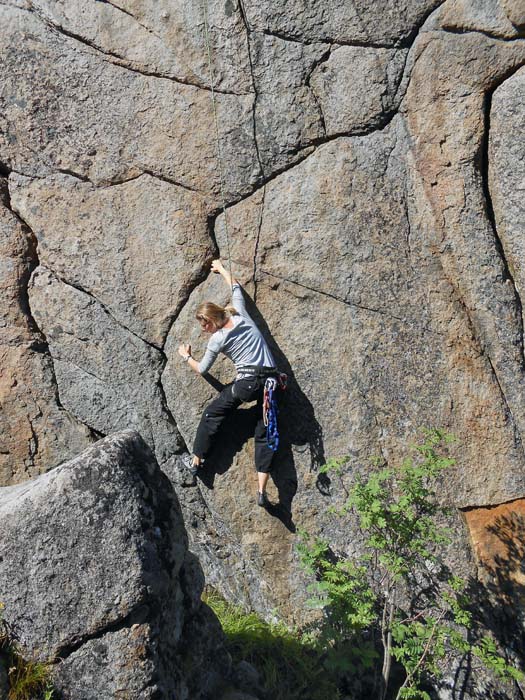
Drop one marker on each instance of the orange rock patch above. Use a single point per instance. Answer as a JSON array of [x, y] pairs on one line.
[[498, 538]]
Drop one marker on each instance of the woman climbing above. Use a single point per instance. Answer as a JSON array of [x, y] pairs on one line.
[[234, 334]]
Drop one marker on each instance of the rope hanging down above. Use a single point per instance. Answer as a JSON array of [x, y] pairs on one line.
[[217, 133], [270, 409]]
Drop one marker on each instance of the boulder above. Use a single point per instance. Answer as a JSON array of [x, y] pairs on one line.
[[96, 577]]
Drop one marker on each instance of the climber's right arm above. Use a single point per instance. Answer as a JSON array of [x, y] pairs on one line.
[[185, 353], [217, 266]]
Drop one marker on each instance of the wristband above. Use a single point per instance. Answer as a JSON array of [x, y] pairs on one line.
[[186, 358]]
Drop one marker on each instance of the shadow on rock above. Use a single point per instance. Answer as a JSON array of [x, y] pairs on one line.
[[497, 603]]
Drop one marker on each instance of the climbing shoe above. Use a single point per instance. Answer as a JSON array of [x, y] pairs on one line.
[[187, 461], [262, 499]]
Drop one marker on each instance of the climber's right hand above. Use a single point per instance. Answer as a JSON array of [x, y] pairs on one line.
[[184, 350], [217, 266]]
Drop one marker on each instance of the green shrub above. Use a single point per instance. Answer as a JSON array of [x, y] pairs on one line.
[[364, 624]]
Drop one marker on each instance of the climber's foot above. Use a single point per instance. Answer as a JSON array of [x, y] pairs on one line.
[[262, 499], [191, 466]]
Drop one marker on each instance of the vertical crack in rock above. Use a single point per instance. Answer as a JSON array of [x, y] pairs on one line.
[[408, 237], [197, 279], [517, 436], [254, 84], [188, 290], [483, 159], [244, 17], [159, 350], [483, 352], [411, 37], [403, 80], [322, 59], [33, 444], [164, 402], [257, 241], [40, 344]]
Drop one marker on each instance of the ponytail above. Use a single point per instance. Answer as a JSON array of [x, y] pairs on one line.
[[219, 315]]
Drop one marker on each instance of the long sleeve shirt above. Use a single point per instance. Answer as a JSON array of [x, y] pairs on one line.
[[243, 344]]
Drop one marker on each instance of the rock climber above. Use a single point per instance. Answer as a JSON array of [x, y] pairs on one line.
[[235, 334]]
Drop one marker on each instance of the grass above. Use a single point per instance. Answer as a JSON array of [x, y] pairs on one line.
[[28, 679], [290, 667]]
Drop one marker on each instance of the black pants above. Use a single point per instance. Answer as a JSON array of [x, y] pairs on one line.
[[230, 398]]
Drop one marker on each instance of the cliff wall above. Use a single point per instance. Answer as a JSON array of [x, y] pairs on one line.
[[373, 164]]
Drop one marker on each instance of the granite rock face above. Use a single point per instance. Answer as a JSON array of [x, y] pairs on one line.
[[119, 242], [358, 88], [507, 173], [36, 432], [369, 194], [106, 374], [95, 575], [340, 21]]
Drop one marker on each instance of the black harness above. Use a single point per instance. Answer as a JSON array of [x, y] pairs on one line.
[[255, 371]]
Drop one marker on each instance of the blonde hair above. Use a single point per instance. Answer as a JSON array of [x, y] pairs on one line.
[[219, 315]]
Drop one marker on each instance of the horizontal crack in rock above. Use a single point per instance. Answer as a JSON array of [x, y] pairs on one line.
[[404, 42], [341, 300], [489, 35], [488, 506], [81, 289], [138, 615], [303, 153], [359, 43], [123, 62]]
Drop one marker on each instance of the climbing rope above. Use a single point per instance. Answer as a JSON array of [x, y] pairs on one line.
[[270, 409], [217, 132]]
